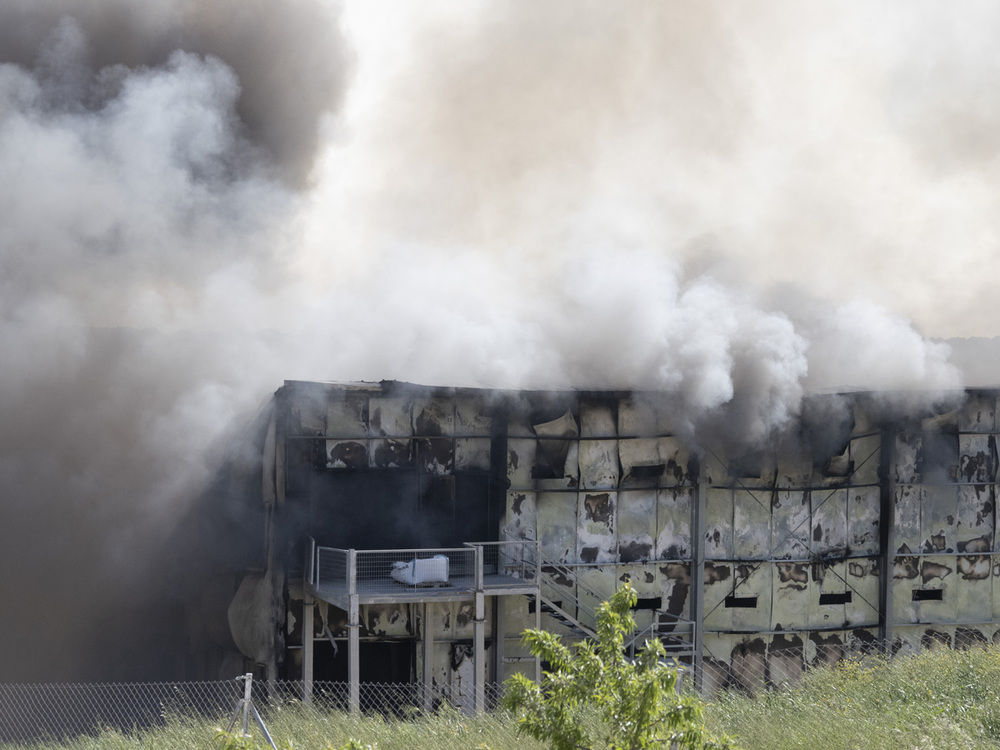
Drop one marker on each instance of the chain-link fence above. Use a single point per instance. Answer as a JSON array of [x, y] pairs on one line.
[[753, 666], [33, 713], [56, 712]]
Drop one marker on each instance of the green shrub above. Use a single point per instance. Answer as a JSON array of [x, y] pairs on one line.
[[594, 697]]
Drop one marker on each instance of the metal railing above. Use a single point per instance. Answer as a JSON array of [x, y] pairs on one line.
[[675, 633], [472, 567], [512, 558]]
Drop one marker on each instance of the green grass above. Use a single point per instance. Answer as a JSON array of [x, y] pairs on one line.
[[937, 699], [302, 728]]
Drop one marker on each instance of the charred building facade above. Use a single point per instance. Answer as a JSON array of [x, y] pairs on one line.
[[410, 534]]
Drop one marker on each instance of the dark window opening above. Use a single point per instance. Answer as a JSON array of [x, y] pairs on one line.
[[647, 471], [741, 602], [928, 595], [839, 598], [652, 602], [379, 661]]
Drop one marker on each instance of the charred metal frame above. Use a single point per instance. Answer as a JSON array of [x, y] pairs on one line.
[[584, 514]]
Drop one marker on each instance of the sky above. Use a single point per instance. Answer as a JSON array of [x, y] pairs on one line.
[[736, 203]]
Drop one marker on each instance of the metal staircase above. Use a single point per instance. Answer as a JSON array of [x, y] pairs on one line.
[[573, 604]]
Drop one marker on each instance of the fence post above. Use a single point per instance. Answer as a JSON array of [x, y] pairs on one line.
[[247, 697], [353, 633]]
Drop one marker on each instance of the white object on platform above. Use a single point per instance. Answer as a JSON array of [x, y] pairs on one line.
[[429, 570]]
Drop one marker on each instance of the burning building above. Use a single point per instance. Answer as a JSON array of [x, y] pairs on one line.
[[407, 533]]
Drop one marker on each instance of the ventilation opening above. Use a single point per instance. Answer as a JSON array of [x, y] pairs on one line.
[[841, 598], [927, 595], [644, 471], [653, 602], [741, 602]]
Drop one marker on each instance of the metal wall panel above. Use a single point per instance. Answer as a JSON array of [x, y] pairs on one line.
[[863, 527], [673, 521], [637, 525], [753, 582], [676, 459], [472, 417], [794, 471], [996, 589], [598, 579], [751, 524], [792, 583], [829, 522], [391, 620], [938, 572], [522, 519], [791, 529], [596, 541], [976, 524], [719, 524], [973, 589], [674, 581], [978, 414], [390, 423], [597, 420], [347, 418], [719, 582], [557, 525], [907, 528], [863, 581], [433, 416], [599, 467], [865, 459], [520, 460], [637, 455], [977, 458], [938, 510], [637, 418]]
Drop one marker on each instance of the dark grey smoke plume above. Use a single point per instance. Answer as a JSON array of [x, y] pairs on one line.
[[151, 156], [288, 59]]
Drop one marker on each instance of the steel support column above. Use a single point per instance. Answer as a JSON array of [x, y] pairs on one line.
[[353, 634], [479, 651], [428, 634], [308, 628], [887, 533]]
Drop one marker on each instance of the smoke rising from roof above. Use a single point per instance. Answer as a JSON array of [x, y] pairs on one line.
[[570, 196]]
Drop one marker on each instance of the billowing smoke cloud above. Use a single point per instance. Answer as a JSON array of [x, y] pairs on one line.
[[197, 206], [152, 156]]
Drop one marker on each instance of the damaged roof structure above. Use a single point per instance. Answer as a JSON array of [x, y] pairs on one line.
[[403, 533]]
